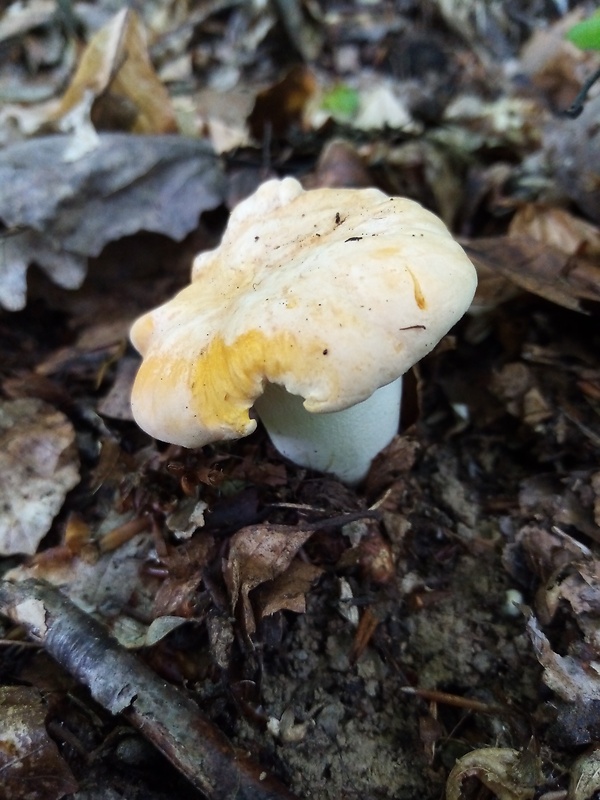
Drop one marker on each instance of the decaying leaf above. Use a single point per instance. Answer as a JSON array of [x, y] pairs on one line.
[[571, 679], [288, 590], [257, 554], [585, 776], [38, 466], [30, 764], [508, 774], [580, 588], [103, 585], [116, 74], [60, 211]]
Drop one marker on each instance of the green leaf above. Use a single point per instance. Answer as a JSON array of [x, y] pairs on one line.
[[586, 34], [341, 101]]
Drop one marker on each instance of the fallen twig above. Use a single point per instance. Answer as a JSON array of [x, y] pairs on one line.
[[124, 685]]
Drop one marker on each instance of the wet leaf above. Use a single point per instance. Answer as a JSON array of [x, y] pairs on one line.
[[68, 210], [30, 764], [115, 72], [257, 554], [38, 466]]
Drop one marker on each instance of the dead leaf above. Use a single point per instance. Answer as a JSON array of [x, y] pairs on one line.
[[123, 185], [30, 763], [567, 676], [580, 588], [222, 117], [572, 148], [554, 65], [288, 591], [257, 554], [281, 107], [117, 403], [538, 268], [545, 551], [543, 496], [556, 227], [38, 466], [380, 107], [341, 165], [116, 74], [584, 779], [103, 584], [508, 774], [305, 32]]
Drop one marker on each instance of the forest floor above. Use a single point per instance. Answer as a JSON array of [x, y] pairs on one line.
[[434, 631]]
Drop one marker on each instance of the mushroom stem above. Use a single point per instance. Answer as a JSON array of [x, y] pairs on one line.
[[341, 442]]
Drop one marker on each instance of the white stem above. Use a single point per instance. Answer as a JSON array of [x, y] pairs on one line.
[[341, 442]]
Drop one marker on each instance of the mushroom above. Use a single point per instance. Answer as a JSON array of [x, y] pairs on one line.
[[311, 309]]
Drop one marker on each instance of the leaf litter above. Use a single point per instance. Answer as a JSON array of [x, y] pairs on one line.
[[436, 629]]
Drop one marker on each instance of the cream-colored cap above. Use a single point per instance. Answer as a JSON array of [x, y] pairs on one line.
[[330, 293]]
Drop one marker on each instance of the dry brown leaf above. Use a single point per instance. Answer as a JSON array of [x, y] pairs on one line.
[[288, 591], [38, 466], [538, 268], [508, 774], [341, 165], [115, 72], [556, 227], [257, 554], [30, 764]]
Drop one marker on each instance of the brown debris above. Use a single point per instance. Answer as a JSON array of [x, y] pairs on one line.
[[124, 685]]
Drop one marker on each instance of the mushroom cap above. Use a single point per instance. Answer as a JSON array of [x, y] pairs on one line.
[[331, 293]]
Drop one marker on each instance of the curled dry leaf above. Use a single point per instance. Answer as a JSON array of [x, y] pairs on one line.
[[508, 774], [38, 466], [115, 70], [125, 184], [30, 763], [257, 554]]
